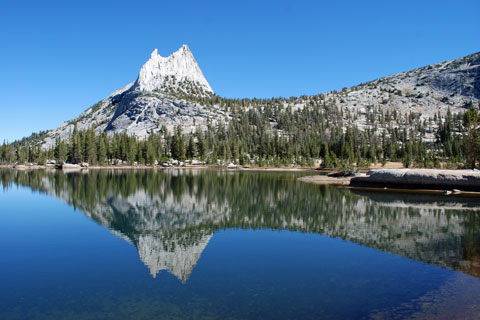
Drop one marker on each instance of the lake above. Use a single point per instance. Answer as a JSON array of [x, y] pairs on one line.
[[207, 244]]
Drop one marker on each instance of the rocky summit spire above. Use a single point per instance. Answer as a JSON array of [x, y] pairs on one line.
[[178, 72]]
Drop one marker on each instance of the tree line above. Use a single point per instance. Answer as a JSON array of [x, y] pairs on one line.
[[272, 132]]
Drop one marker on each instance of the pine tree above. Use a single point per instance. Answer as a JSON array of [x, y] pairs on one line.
[[178, 146], [90, 152], [102, 151], [201, 147], [471, 136], [74, 153], [60, 151], [191, 148]]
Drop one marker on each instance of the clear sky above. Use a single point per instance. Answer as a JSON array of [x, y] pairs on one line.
[[57, 58]]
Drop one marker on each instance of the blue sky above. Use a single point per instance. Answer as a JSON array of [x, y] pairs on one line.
[[57, 58]]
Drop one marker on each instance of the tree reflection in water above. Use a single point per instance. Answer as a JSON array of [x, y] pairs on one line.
[[170, 215]]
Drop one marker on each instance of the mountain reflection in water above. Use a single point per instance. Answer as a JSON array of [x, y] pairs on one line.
[[171, 215]]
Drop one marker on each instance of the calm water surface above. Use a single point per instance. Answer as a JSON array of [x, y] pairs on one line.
[[201, 244]]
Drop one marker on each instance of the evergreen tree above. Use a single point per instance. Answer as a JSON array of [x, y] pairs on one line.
[[60, 151], [471, 123], [191, 148], [178, 145], [74, 153], [102, 149]]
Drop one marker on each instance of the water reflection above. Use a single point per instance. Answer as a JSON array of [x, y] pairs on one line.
[[170, 216]]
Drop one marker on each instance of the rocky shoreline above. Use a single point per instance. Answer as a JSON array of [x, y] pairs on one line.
[[447, 181]]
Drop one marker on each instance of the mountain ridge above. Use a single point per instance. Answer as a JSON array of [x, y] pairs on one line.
[[168, 94]]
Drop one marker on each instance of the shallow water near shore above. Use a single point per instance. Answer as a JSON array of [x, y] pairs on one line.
[[208, 244]]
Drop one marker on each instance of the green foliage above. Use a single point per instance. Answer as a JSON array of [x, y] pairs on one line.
[[471, 127], [272, 132], [178, 145]]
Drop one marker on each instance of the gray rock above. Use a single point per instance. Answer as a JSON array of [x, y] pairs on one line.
[[422, 177]]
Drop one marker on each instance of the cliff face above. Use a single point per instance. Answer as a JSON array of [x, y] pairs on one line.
[[175, 72]]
